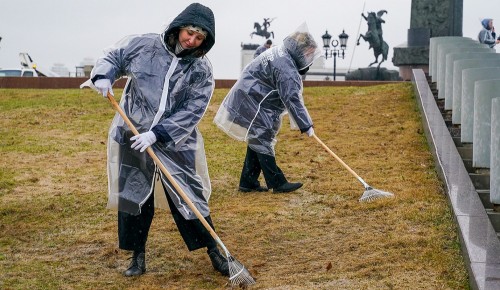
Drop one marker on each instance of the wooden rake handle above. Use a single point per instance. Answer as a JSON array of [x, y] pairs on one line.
[[164, 170], [339, 160]]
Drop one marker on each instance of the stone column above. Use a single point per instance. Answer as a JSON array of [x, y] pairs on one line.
[[429, 18], [433, 46], [459, 66], [495, 152], [450, 67], [484, 92], [445, 49], [470, 76]]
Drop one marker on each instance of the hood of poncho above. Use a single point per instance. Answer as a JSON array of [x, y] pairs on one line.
[[197, 15]]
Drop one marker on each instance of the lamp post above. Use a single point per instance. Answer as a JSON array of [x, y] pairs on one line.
[[334, 51]]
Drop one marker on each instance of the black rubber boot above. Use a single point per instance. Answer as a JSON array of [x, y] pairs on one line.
[[137, 266], [250, 189], [287, 187], [219, 262]]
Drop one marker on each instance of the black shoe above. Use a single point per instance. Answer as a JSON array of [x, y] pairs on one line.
[[137, 265], [258, 188], [287, 187], [219, 262]]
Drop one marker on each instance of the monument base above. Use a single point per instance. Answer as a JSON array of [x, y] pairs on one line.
[[247, 52], [410, 57], [405, 71], [373, 74]]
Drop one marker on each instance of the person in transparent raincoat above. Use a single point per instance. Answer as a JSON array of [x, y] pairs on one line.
[[263, 48], [269, 87], [487, 35], [170, 84]]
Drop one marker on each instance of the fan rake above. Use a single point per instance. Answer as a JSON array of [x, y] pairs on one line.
[[370, 193], [239, 275]]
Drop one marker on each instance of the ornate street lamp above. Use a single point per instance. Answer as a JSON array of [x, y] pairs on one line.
[[334, 51]]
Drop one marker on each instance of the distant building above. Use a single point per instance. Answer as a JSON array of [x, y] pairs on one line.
[[60, 69], [247, 52], [319, 72], [87, 61], [85, 67]]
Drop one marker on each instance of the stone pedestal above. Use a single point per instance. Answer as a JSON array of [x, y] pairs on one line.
[[429, 18], [247, 52], [373, 74], [408, 58]]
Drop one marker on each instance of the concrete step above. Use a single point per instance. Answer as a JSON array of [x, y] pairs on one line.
[[480, 181], [440, 104], [457, 141], [465, 152], [484, 195], [448, 114], [455, 131], [494, 217], [468, 165]]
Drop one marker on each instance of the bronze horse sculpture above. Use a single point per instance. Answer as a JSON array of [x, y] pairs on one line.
[[374, 36], [263, 31]]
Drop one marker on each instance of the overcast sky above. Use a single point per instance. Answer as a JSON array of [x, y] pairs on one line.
[[67, 32]]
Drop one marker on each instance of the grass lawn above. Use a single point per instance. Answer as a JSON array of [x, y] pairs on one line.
[[55, 232]]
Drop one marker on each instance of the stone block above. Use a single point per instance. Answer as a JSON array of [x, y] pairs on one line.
[[475, 53], [469, 78], [484, 92], [433, 46], [446, 48], [495, 152], [459, 66]]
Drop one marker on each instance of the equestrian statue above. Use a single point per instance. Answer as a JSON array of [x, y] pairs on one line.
[[374, 35], [262, 30]]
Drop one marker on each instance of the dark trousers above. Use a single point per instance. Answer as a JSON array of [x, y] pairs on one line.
[[257, 162], [133, 229]]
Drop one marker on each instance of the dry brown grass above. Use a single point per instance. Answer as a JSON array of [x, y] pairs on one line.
[[55, 232]]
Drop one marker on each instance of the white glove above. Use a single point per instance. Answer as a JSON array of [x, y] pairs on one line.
[[143, 141], [310, 132], [103, 86]]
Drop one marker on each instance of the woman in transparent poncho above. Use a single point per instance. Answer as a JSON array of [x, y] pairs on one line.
[[487, 35], [170, 84], [269, 87]]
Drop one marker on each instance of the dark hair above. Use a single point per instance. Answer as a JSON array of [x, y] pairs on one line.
[[171, 41], [269, 41], [197, 15]]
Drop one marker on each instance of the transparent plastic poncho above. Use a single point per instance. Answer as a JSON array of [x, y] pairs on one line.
[[269, 87], [161, 90]]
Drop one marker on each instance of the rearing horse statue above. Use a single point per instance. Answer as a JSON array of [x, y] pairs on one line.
[[263, 31], [374, 35]]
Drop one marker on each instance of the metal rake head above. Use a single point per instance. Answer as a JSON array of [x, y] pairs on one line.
[[372, 194], [238, 274]]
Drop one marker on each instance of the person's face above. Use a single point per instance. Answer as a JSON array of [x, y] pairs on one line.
[[190, 39], [490, 24], [309, 53]]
